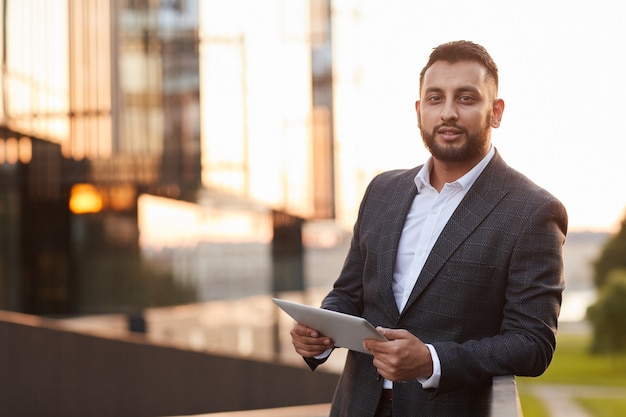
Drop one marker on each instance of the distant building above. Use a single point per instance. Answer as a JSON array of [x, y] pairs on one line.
[[118, 99]]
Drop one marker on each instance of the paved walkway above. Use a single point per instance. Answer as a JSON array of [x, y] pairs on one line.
[[560, 399]]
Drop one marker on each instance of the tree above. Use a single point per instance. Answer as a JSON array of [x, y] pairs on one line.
[[613, 256], [608, 314]]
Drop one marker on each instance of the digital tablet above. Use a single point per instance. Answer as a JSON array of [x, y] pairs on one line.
[[346, 331]]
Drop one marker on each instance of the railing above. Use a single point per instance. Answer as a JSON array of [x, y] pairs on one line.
[[48, 371], [505, 398]]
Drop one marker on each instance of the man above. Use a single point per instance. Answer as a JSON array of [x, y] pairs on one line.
[[458, 262]]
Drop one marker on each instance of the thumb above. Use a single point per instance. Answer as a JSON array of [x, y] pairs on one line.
[[391, 334]]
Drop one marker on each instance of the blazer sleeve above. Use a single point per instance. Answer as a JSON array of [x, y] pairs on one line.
[[526, 342]]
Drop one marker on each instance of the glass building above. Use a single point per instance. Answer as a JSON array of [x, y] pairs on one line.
[[122, 118]]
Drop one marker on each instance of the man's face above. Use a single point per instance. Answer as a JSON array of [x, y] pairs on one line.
[[457, 110]]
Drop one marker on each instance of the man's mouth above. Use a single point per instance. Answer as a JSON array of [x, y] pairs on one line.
[[449, 133]]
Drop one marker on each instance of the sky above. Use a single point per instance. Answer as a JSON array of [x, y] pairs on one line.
[[562, 69]]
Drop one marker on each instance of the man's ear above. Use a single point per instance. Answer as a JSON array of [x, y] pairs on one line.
[[496, 113], [417, 112]]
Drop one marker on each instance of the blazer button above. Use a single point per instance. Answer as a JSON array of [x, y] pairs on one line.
[[378, 377]]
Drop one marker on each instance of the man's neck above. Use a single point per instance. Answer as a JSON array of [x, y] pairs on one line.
[[442, 172]]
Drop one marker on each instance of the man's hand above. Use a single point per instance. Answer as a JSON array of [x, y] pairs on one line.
[[402, 358], [309, 342]]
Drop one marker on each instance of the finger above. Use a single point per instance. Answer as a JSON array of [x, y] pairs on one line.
[[304, 331], [307, 348], [373, 345], [393, 334], [309, 342], [308, 351], [318, 342]]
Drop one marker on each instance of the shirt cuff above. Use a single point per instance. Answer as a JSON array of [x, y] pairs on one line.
[[324, 355], [433, 381]]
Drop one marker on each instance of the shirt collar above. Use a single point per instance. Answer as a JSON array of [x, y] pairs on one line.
[[422, 179]]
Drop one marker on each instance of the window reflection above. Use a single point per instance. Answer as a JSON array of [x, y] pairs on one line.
[[114, 108]]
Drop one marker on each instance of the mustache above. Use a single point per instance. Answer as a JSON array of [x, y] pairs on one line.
[[450, 125]]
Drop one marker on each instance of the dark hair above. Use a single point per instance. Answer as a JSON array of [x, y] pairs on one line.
[[458, 51]]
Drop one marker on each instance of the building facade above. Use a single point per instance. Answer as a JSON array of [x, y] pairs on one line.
[[197, 102]]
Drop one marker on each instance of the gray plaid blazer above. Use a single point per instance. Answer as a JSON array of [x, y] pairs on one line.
[[487, 299]]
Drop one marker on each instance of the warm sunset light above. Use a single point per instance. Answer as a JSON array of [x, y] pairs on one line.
[[122, 197], [560, 76], [85, 198], [378, 49], [51, 29], [165, 222], [255, 76], [255, 113]]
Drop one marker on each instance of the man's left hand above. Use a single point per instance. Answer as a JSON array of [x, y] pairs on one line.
[[402, 358]]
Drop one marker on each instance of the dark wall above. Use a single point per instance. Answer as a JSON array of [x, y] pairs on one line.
[[50, 372], [36, 273], [46, 269]]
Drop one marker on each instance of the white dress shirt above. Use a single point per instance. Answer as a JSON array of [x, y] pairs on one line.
[[427, 217]]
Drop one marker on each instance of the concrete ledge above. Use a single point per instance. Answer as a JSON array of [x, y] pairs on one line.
[[505, 398], [318, 410]]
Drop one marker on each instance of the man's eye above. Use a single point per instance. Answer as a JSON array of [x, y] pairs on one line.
[[466, 99], [434, 99]]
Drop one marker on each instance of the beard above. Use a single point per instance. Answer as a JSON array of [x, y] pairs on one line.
[[474, 146]]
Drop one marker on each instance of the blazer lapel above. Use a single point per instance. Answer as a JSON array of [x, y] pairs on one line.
[[480, 200], [394, 215]]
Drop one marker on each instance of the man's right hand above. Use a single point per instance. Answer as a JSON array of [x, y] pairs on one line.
[[309, 342]]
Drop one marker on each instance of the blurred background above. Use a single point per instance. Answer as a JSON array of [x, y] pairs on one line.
[[168, 165]]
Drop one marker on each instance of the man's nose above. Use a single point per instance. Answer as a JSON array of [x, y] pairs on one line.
[[448, 112]]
